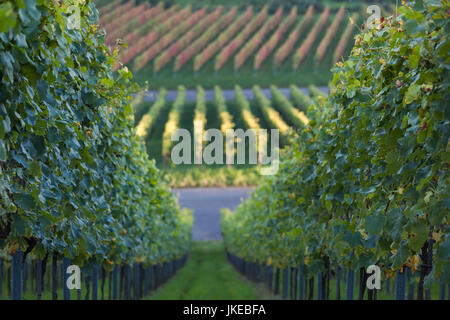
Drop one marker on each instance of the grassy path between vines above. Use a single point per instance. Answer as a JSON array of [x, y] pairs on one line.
[[208, 275]]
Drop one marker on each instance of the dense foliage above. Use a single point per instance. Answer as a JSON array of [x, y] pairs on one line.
[[367, 182], [74, 178]]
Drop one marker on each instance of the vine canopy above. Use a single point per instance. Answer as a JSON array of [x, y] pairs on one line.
[[74, 178]]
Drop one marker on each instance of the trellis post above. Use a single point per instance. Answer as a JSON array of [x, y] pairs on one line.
[[400, 285], [350, 284], [16, 283], [95, 282], [66, 290]]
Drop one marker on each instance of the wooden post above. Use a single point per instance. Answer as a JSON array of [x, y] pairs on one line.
[[24, 276], [277, 281], [103, 278], [319, 286], [263, 272], [411, 283], [400, 286], [115, 274], [350, 284], [55, 276], [127, 282], [87, 279], [153, 277], [121, 283], [95, 282], [66, 291], [136, 281], [388, 285], [16, 285], [301, 283], [285, 284], [311, 289], [428, 293], [145, 281], [110, 285], [1, 276], [338, 283], [9, 278], [33, 276], [269, 278], [426, 265], [362, 283], [39, 279], [295, 282], [442, 289]]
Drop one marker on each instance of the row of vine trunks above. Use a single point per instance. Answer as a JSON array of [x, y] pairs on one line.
[[126, 281], [296, 286]]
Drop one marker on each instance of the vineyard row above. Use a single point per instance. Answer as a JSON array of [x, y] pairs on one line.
[[161, 36]]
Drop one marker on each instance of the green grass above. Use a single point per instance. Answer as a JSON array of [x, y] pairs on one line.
[[226, 78], [208, 276]]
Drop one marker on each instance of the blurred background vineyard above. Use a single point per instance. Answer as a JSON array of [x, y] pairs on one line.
[[221, 48], [132, 26]]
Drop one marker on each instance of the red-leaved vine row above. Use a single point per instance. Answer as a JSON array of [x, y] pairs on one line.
[[130, 25], [181, 44], [168, 38], [228, 51], [304, 49], [143, 43], [331, 32], [270, 45], [223, 38], [201, 42]]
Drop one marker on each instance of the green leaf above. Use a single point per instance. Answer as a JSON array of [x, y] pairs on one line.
[[414, 58], [420, 229], [128, 110], [433, 3], [8, 17], [412, 93], [329, 205], [2, 151], [20, 4], [21, 41], [35, 168], [399, 258], [18, 225], [31, 73], [374, 223], [428, 174], [418, 5], [25, 201], [443, 252]]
